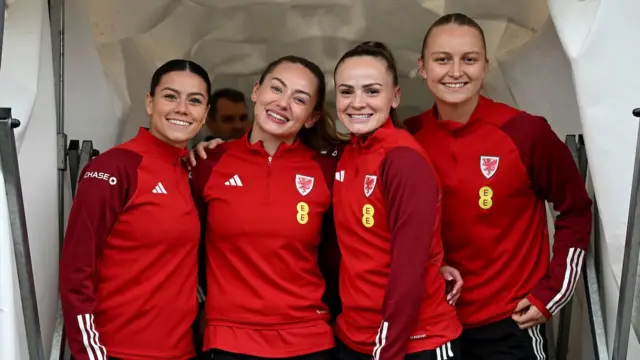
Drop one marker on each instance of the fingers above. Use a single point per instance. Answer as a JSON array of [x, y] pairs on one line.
[[528, 318], [453, 297], [521, 319], [213, 143], [458, 286], [192, 159], [447, 276], [201, 151], [529, 324], [523, 304]]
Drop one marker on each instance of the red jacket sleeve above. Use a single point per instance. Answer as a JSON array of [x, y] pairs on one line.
[[106, 184], [200, 175], [410, 191], [555, 177]]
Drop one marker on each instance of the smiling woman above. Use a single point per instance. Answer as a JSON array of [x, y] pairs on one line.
[[133, 217], [267, 199], [177, 101]]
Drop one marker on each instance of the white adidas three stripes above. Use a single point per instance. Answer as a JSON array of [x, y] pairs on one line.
[[575, 258], [90, 338], [444, 352]]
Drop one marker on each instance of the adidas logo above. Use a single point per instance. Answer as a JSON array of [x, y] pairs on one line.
[[159, 189], [234, 181], [340, 175]]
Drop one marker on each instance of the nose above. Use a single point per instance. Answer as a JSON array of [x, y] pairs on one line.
[[358, 101], [282, 102], [456, 70], [181, 106], [237, 124]]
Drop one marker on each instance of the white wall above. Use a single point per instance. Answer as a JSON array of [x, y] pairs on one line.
[[90, 108], [26, 85]]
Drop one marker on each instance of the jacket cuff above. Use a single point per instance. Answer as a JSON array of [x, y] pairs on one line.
[[538, 304]]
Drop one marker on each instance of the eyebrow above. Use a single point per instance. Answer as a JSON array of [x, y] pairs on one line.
[[448, 53], [364, 86], [285, 85], [178, 92]]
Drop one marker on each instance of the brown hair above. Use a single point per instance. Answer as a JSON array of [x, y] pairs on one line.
[[456, 19], [322, 136], [380, 51]]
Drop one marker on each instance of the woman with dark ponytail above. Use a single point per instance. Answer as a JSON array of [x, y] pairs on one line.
[[387, 206], [128, 268]]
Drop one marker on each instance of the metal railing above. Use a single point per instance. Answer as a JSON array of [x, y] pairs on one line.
[[18, 223], [576, 145], [630, 263]]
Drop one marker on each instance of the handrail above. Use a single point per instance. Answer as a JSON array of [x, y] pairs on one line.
[[630, 263], [18, 223], [592, 291], [57, 23], [576, 145]]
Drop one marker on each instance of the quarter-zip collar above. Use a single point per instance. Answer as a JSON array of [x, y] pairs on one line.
[[369, 141], [258, 146], [154, 146], [479, 114]]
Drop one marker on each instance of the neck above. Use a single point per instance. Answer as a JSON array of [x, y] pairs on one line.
[[159, 135], [456, 112], [269, 142]]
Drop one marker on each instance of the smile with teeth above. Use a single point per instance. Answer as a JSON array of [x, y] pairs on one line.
[[360, 116], [179, 122], [455, 85], [277, 117]]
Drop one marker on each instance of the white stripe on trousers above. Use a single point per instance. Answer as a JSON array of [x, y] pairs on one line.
[[444, 351], [575, 258], [90, 338], [537, 342]]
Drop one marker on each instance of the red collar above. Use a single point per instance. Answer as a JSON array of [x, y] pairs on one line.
[[259, 145], [158, 147], [371, 139], [482, 109]]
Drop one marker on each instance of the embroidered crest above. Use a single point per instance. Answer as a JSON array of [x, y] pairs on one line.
[[369, 184], [304, 184], [489, 165]]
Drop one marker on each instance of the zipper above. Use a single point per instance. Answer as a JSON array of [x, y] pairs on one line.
[[270, 160]]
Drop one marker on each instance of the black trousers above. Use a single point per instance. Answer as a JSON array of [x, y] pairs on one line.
[[225, 355], [504, 340], [448, 351]]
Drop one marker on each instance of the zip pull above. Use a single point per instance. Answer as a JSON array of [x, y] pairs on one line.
[[270, 158]]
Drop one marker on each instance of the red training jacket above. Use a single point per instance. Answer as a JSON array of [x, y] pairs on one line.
[[387, 212], [497, 170], [128, 269], [264, 219]]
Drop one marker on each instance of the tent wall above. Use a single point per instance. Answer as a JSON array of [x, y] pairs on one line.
[[26, 85], [607, 93]]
